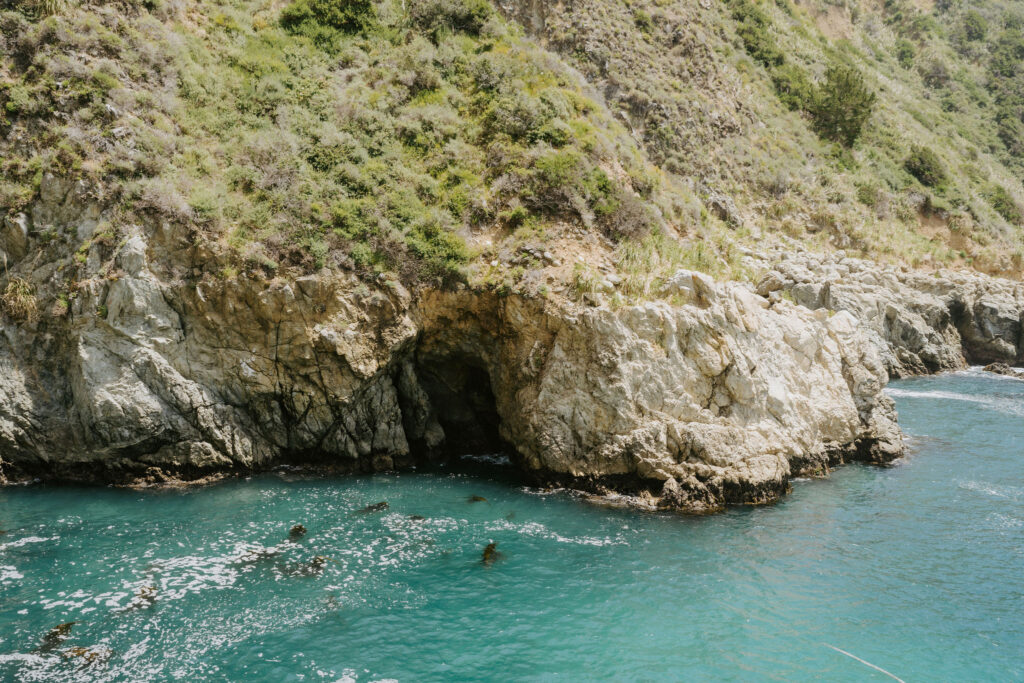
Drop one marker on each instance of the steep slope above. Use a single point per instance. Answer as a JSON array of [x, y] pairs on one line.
[[728, 95]]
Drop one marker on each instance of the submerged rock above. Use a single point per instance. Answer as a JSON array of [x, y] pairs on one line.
[[374, 507], [296, 532], [87, 656], [144, 598], [313, 567], [1004, 369]]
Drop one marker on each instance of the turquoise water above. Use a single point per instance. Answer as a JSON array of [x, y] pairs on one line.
[[917, 569]]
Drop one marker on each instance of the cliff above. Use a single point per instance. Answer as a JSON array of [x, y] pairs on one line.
[[721, 393], [238, 237]]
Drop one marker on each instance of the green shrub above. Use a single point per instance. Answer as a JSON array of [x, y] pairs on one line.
[[925, 165], [754, 29], [975, 26], [517, 115], [867, 195], [905, 52], [323, 21], [1004, 203], [934, 73], [443, 253], [41, 8], [842, 105], [793, 87], [643, 20], [438, 16]]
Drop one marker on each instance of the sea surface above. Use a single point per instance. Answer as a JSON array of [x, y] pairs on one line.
[[913, 572]]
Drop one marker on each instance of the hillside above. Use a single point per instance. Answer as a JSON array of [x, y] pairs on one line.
[[724, 95], [443, 141]]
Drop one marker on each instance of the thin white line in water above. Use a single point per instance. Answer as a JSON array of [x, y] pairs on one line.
[[862, 661]]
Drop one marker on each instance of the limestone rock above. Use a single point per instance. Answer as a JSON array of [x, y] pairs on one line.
[[721, 394], [1003, 369], [919, 322]]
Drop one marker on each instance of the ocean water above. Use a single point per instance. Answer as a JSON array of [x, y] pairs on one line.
[[916, 569]]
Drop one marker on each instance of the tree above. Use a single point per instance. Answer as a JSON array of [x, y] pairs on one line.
[[842, 105]]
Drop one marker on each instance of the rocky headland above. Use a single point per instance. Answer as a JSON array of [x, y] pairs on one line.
[[920, 321], [233, 239], [717, 393]]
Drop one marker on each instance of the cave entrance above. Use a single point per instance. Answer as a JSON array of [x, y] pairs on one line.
[[464, 404]]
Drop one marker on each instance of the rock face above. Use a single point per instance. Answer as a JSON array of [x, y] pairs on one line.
[[725, 397], [152, 369], [919, 322]]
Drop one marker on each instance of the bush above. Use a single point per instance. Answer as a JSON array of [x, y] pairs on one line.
[[934, 73], [323, 21], [793, 87], [842, 105], [443, 252], [975, 26], [1003, 202], [905, 52], [41, 8], [925, 165], [754, 30], [437, 16]]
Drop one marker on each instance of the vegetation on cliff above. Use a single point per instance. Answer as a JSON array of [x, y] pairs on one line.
[[435, 141]]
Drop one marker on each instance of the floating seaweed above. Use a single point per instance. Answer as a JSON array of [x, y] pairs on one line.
[[417, 518], [491, 554], [510, 516], [374, 507], [56, 635], [144, 598], [254, 555], [88, 657], [477, 499], [296, 532], [313, 567]]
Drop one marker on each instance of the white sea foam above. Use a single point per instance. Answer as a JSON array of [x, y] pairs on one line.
[[1014, 493], [1006, 521], [541, 531], [25, 541], [979, 371], [9, 573], [1009, 406], [23, 657]]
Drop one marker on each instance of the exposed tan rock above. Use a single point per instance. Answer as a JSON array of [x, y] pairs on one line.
[[920, 322], [154, 371], [723, 394]]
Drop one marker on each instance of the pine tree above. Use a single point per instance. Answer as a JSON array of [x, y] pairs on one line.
[[842, 105]]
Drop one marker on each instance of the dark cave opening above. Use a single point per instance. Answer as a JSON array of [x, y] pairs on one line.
[[464, 405]]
